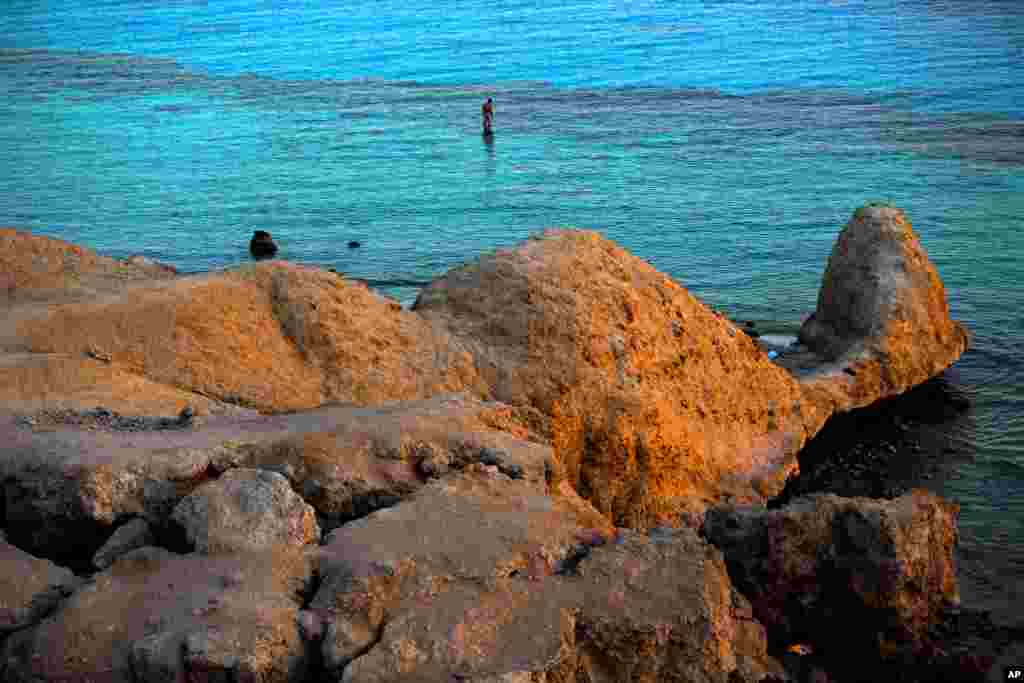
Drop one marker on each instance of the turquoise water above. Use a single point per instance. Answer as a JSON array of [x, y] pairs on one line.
[[725, 142]]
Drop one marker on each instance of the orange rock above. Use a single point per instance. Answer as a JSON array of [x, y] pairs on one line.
[[657, 405], [882, 323]]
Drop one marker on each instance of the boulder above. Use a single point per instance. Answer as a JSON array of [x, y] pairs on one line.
[[657, 405], [437, 554], [157, 616], [539, 594], [262, 245], [660, 608], [883, 567], [272, 336], [246, 510], [135, 533], [36, 268], [30, 588], [65, 490], [882, 322], [350, 461]]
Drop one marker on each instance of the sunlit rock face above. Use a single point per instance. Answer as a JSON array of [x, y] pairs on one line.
[[657, 404], [882, 323]]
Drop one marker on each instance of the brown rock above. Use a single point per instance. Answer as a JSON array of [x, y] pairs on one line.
[[246, 510], [37, 268], [158, 616], [272, 336], [660, 608], [30, 588], [535, 596], [657, 405], [882, 323], [453, 543], [65, 489], [885, 568]]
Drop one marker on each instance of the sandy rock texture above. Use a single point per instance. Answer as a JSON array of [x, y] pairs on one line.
[[474, 468], [272, 336], [884, 568], [157, 616], [246, 510], [657, 405], [481, 577], [882, 322], [66, 490]]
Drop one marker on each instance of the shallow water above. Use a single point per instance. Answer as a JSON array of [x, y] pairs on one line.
[[726, 144]]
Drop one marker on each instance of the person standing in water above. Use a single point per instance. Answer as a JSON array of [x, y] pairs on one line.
[[488, 112]]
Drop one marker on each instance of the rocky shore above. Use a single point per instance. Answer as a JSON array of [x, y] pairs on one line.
[[558, 466]]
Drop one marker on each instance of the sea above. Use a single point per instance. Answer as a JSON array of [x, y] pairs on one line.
[[725, 142]]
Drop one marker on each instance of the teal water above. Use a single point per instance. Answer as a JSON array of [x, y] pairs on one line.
[[726, 143]]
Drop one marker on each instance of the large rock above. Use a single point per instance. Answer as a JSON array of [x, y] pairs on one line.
[[156, 616], [885, 569], [882, 323], [455, 540], [362, 459], [30, 588], [65, 490], [246, 510], [36, 268], [660, 607], [272, 336], [658, 405], [536, 595]]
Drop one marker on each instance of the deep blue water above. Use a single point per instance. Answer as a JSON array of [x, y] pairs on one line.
[[726, 143]]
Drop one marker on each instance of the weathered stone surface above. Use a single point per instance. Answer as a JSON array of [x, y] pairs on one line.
[[64, 489], [478, 577], [30, 587], [246, 510], [882, 323], [657, 405], [661, 607], [156, 616], [884, 568], [272, 336], [356, 460], [478, 528], [37, 268], [133, 534]]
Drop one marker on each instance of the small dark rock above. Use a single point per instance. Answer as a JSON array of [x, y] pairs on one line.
[[262, 245], [354, 245]]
